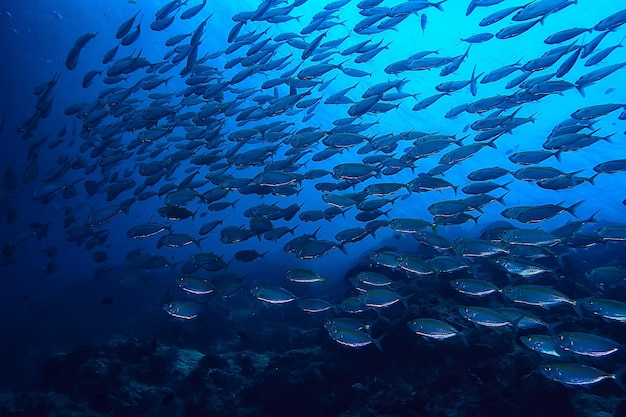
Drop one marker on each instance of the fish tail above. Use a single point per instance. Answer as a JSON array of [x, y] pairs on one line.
[[377, 341], [572, 209], [618, 377], [607, 138], [463, 337], [577, 305], [405, 302], [592, 218], [581, 89], [438, 5]]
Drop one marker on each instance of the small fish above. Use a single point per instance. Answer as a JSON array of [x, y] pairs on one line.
[[606, 308], [586, 344], [195, 285], [186, 310], [248, 255], [607, 276], [542, 344], [484, 316], [71, 61], [381, 298], [577, 374], [435, 329], [475, 287], [272, 295], [313, 305], [350, 334], [145, 230], [538, 295]]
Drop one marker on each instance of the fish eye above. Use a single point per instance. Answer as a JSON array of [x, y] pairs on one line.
[[560, 336], [547, 368]]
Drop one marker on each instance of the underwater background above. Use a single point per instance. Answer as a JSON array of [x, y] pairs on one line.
[[375, 208]]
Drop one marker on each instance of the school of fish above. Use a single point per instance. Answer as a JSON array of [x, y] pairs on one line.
[[295, 127]]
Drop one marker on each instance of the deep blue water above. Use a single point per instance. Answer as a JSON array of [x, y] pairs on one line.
[[58, 298]]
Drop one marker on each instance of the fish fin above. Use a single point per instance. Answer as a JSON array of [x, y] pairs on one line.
[[501, 198], [572, 209], [552, 327], [405, 302], [581, 89], [619, 374], [607, 138], [463, 337], [377, 341], [578, 308]]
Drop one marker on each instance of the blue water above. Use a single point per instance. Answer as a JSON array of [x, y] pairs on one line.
[[54, 303]]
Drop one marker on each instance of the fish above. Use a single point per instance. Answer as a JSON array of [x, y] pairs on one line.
[[381, 298], [605, 308], [272, 295], [126, 26], [313, 305], [146, 230], [484, 316], [566, 35], [349, 334], [71, 60], [543, 344], [535, 214], [248, 255], [192, 11], [195, 285], [435, 329], [611, 167], [586, 344], [538, 295], [178, 240], [186, 310], [578, 374], [516, 30], [606, 276], [475, 287]]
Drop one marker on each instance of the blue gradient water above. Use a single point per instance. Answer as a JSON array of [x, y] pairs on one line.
[[56, 311]]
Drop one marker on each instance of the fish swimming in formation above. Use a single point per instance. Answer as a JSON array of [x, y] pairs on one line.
[[296, 128]]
